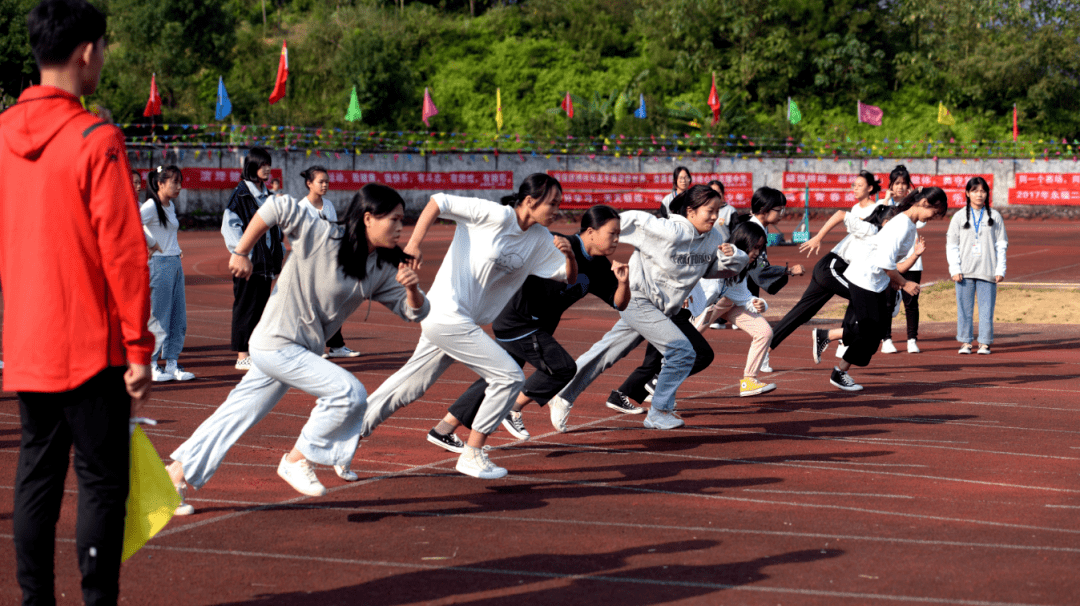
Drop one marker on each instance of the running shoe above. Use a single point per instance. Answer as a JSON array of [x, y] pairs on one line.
[[821, 343], [752, 387], [516, 425], [887, 347], [984, 349], [965, 349], [177, 371], [341, 352], [184, 508], [843, 380], [475, 462], [619, 402], [159, 375], [912, 346], [448, 441], [345, 473], [651, 385], [560, 413], [244, 364], [660, 419], [300, 476]]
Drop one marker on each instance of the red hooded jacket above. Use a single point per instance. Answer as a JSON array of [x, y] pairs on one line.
[[72, 256]]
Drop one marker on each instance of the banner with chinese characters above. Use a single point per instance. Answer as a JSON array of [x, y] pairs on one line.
[[212, 178], [1046, 189], [641, 191], [833, 190]]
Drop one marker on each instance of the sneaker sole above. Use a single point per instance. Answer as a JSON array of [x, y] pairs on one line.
[[845, 387], [444, 446], [814, 340], [499, 472], [758, 391], [354, 354], [509, 427], [626, 411], [311, 492], [348, 475], [163, 379], [649, 425], [184, 509]]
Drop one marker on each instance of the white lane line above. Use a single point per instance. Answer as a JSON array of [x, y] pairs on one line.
[[832, 494], [917, 421], [1064, 506]]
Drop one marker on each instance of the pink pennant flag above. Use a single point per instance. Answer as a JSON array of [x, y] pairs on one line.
[[870, 114], [429, 107]]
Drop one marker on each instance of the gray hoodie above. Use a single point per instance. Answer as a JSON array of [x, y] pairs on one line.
[[671, 256]]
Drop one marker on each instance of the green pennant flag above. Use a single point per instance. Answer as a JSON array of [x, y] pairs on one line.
[[793, 113], [354, 113]]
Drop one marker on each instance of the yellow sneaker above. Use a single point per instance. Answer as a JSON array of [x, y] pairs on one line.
[[752, 387]]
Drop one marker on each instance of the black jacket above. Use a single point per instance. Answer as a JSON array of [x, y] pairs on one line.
[[265, 259]]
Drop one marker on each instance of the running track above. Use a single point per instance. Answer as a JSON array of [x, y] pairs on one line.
[[949, 480]]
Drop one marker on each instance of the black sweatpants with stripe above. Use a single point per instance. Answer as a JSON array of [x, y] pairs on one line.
[[827, 281]]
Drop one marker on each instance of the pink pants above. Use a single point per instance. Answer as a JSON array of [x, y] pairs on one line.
[[759, 330]]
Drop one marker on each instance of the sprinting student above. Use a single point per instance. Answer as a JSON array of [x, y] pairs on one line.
[[869, 277], [899, 187], [827, 279], [76, 302], [495, 248], [734, 303], [525, 326], [865, 188], [670, 256], [167, 300], [317, 180], [333, 267], [975, 248], [725, 220], [250, 295], [680, 182]]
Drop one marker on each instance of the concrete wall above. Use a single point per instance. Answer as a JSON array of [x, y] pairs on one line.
[[766, 171]]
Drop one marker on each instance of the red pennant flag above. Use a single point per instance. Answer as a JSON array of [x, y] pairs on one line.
[[568, 105], [153, 105], [282, 75], [870, 114], [429, 109], [714, 101], [1016, 129]]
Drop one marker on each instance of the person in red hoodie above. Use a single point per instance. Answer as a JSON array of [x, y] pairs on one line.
[[74, 274]]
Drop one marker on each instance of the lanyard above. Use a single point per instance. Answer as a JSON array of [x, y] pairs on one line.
[[978, 221]]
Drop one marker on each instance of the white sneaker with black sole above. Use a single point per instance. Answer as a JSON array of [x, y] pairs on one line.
[[475, 462], [301, 477], [843, 380], [559, 409], [820, 342], [514, 424], [619, 402], [448, 441]]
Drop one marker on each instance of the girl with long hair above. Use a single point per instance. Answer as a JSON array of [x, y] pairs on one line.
[[975, 248], [333, 268], [495, 248], [681, 180], [865, 188], [899, 187]]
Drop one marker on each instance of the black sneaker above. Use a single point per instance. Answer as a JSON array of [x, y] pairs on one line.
[[449, 441], [821, 343], [515, 425], [618, 401], [651, 385], [843, 380]]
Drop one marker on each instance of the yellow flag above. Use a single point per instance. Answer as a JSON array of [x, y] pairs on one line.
[[498, 109], [152, 499], [943, 115]]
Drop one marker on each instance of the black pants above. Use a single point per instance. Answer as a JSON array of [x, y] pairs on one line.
[[826, 281], [634, 385], [94, 418], [554, 369], [336, 341], [911, 307], [249, 301], [864, 323]]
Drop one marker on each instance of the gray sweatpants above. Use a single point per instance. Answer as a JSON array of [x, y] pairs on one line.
[[641, 320], [440, 345], [330, 435]]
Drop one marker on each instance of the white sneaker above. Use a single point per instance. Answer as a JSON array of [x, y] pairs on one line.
[[841, 349], [765, 363], [716, 326], [300, 476], [184, 508], [887, 347], [659, 419], [560, 412], [177, 371], [159, 375], [244, 364], [341, 352], [345, 473], [475, 462], [912, 346]]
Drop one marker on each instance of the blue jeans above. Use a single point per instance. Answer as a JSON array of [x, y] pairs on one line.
[[966, 290], [168, 305]]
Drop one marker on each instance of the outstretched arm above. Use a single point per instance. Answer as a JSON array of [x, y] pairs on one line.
[[813, 245]]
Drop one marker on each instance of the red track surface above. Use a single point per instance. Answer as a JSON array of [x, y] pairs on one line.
[[949, 480]]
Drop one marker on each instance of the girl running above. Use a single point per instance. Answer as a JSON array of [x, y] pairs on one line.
[[495, 248], [333, 268], [865, 189], [975, 248], [899, 188], [670, 256], [525, 326], [869, 277], [680, 182], [317, 180], [167, 302]]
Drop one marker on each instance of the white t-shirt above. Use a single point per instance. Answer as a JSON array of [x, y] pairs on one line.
[[889, 246], [328, 211], [857, 242], [918, 266], [488, 260], [164, 235]]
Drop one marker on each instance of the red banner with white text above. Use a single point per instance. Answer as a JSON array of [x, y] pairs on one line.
[[641, 191]]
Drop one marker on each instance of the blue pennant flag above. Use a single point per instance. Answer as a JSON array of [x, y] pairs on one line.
[[224, 106], [640, 111]]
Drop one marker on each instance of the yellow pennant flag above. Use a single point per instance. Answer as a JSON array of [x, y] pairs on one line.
[[943, 115], [152, 499], [498, 109]]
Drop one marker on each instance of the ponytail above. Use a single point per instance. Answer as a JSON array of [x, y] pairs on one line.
[[872, 181], [537, 186], [598, 216], [153, 182]]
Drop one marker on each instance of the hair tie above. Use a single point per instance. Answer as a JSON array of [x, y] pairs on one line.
[[160, 168]]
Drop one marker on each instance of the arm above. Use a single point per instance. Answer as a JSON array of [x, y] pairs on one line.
[[426, 220], [232, 229], [571, 261], [239, 263], [1001, 244], [622, 293], [151, 242], [916, 252], [728, 263], [909, 286], [952, 251], [813, 245], [402, 295]]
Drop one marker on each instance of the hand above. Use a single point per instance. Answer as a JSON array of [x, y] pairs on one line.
[[759, 305], [811, 246], [564, 246], [797, 270], [958, 278], [920, 246], [137, 381], [998, 279], [240, 266], [621, 271], [407, 277], [727, 249], [911, 287], [155, 249], [417, 256]]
